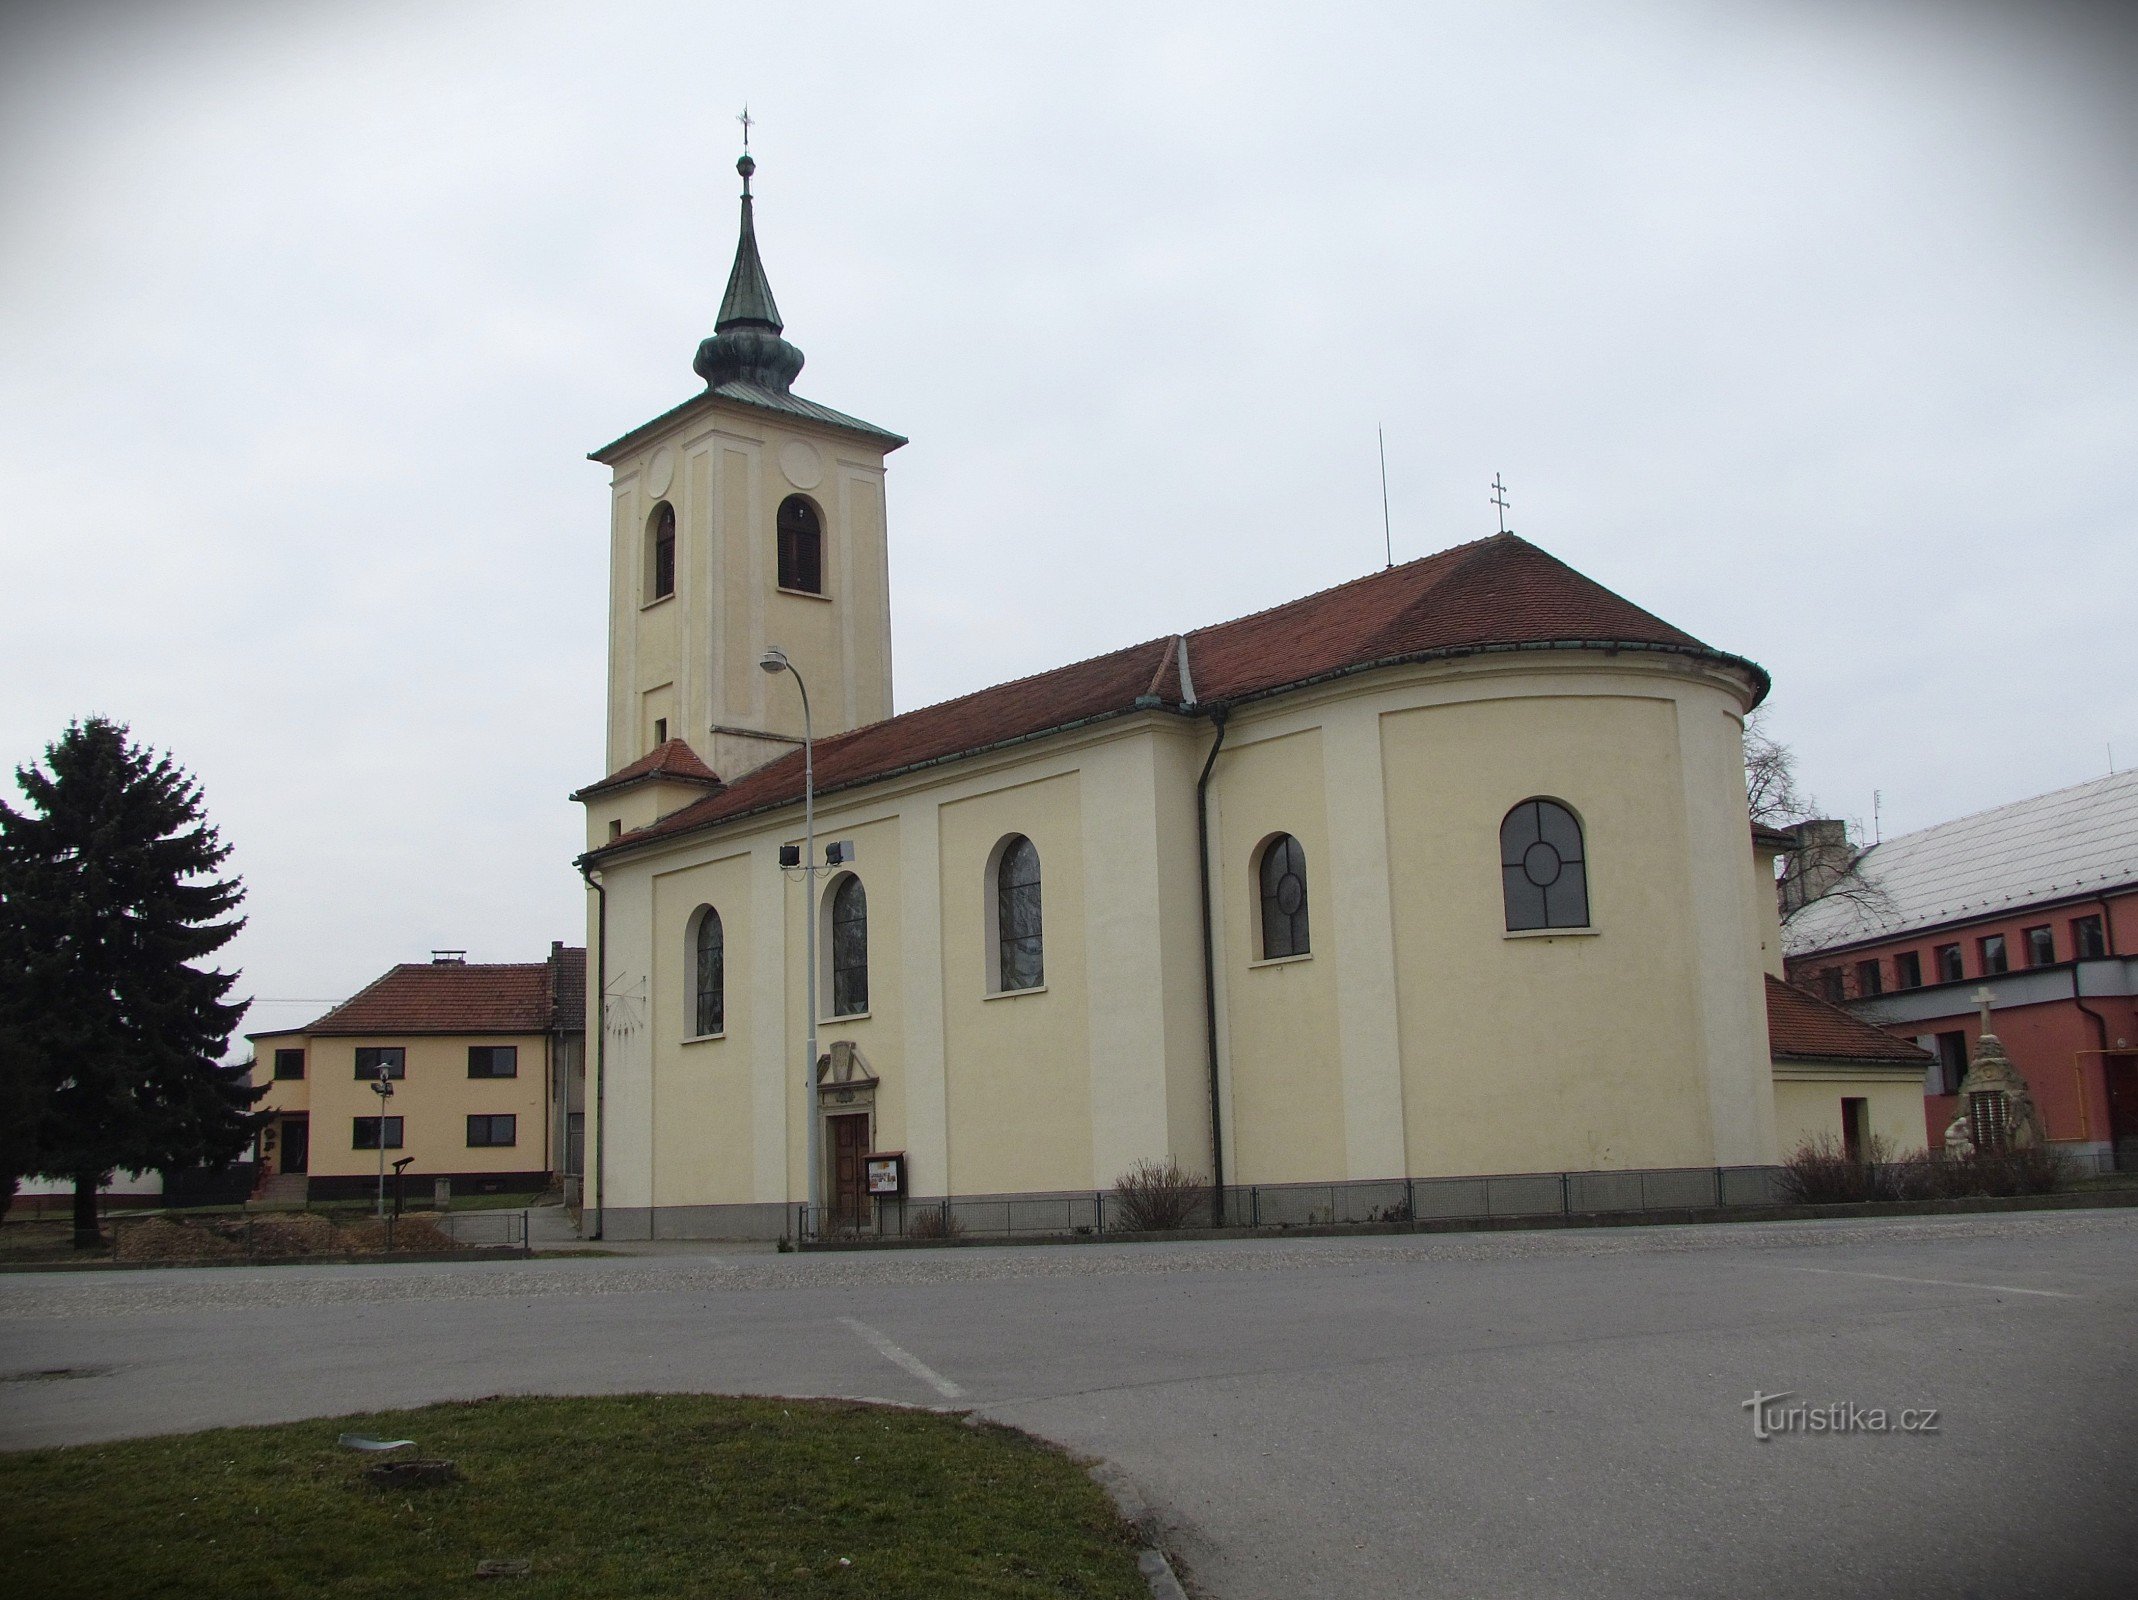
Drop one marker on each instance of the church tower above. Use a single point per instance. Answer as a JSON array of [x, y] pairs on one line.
[[745, 517]]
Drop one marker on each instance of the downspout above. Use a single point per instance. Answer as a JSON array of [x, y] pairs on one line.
[[601, 1046], [1217, 714], [2100, 1023]]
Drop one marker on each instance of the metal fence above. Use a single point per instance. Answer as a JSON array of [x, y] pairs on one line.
[[1100, 1213]]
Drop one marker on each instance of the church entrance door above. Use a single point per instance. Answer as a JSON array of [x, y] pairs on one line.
[[849, 1171]]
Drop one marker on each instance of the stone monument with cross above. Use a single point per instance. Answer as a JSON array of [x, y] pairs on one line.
[[1997, 1110]]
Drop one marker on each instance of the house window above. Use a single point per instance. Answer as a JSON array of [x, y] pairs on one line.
[[1908, 970], [2087, 942], [801, 546], [2041, 947], [709, 989], [371, 1057], [1869, 978], [1952, 1062], [849, 948], [493, 1061], [289, 1063], [491, 1133], [365, 1135], [1020, 959], [660, 731], [1994, 959], [1833, 987], [661, 562], [1950, 969], [1543, 876], [1281, 880]]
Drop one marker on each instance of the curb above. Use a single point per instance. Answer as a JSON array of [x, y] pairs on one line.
[[1151, 1561], [2101, 1200]]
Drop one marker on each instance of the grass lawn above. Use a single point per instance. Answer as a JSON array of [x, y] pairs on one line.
[[640, 1495]]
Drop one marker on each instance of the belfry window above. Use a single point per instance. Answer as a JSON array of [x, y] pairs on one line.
[[1020, 961], [1282, 876], [709, 992], [849, 948], [1543, 874], [801, 546], [661, 553]]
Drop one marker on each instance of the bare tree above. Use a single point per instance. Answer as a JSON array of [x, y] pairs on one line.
[[1771, 789]]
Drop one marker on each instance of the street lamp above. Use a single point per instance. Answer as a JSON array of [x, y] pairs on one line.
[[384, 1090], [775, 661]]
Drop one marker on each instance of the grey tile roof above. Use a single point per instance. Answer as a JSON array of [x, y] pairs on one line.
[[2056, 846]]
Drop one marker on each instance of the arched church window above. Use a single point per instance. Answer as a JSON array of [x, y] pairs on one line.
[[801, 546], [849, 948], [709, 948], [1019, 958], [1283, 882], [1543, 873], [661, 552]]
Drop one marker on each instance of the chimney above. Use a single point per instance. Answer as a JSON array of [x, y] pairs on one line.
[[449, 958], [1820, 860]]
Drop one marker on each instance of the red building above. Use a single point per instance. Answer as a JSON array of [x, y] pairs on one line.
[[2036, 901]]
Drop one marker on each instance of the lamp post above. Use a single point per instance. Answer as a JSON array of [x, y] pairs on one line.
[[384, 1090], [775, 661]]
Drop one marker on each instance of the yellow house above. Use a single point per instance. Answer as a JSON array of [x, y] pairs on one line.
[[1443, 871], [484, 1061]]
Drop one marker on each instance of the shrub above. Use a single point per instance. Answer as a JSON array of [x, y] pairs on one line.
[[1821, 1172], [2021, 1169], [934, 1222], [1154, 1196]]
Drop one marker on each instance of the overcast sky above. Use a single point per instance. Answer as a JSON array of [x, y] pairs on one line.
[[1812, 328]]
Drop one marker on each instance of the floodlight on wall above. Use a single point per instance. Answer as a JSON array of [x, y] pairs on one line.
[[839, 853], [790, 855]]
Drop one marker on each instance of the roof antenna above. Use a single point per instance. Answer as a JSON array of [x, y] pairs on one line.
[[1499, 498], [1388, 538], [1878, 799]]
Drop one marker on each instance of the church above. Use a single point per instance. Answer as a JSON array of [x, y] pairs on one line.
[[1443, 871]]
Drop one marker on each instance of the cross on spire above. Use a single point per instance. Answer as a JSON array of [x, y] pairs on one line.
[[745, 119], [1982, 997], [1499, 498]]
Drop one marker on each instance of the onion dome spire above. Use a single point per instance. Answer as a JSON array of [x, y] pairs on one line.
[[746, 346]]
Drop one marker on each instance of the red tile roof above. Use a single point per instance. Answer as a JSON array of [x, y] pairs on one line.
[[673, 762], [1499, 593], [460, 997], [1803, 1028]]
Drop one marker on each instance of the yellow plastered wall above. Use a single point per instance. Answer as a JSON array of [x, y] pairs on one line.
[[1807, 1105], [879, 1033], [1017, 1066], [1286, 1105], [726, 468], [434, 1101], [1571, 1052], [701, 1115]]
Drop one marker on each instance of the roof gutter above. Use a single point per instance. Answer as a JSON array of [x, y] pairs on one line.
[[1761, 684]]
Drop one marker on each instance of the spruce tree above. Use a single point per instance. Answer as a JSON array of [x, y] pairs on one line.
[[108, 899]]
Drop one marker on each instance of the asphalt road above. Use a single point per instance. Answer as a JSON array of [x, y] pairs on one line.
[[1528, 1414]]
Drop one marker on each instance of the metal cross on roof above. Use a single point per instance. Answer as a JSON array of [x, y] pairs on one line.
[[1499, 498], [745, 119]]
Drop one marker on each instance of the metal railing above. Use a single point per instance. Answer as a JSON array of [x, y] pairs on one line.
[[1102, 1213]]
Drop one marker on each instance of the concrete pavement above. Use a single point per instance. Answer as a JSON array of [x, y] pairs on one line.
[[1531, 1414]]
